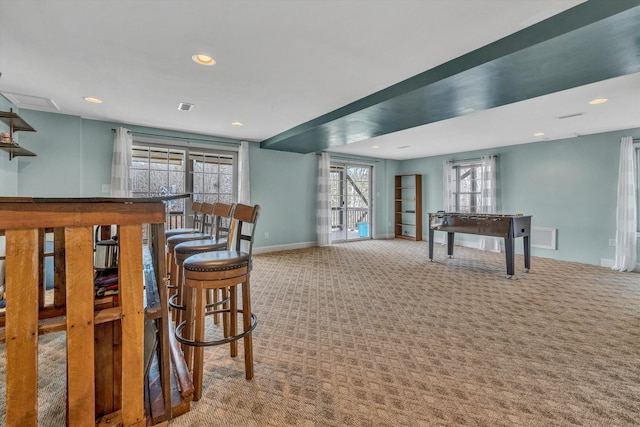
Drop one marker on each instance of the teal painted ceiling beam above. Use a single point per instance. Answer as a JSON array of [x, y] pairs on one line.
[[594, 41]]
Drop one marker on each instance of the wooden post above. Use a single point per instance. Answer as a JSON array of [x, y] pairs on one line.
[[22, 327], [80, 330], [131, 283]]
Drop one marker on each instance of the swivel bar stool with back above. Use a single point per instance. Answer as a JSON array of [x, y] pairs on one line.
[[219, 270], [205, 233], [222, 222], [198, 224], [196, 208]]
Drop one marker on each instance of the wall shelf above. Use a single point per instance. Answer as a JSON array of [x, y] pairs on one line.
[[15, 150], [16, 124]]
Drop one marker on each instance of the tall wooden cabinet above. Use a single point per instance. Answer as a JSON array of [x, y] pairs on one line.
[[408, 207]]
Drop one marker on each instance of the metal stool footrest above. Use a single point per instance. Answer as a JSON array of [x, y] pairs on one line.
[[174, 304], [194, 343], [213, 304]]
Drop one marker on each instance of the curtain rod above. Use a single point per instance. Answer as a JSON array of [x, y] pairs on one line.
[[474, 159], [180, 138], [338, 157]]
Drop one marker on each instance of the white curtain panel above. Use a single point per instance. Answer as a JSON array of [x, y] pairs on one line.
[[449, 186], [120, 175], [244, 193], [488, 200], [626, 212], [324, 205]]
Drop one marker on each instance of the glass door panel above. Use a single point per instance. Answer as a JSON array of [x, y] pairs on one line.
[[350, 187], [338, 219], [358, 195]]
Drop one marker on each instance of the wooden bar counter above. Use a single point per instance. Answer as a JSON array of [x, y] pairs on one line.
[[23, 221]]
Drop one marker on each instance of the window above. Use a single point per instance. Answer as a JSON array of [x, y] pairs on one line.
[[160, 170], [468, 190], [470, 186], [213, 176]]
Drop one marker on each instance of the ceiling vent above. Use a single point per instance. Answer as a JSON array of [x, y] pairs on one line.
[[185, 106], [568, 116], [31, 102]]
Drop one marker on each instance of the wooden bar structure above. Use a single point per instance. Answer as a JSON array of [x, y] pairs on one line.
[[105, 338]]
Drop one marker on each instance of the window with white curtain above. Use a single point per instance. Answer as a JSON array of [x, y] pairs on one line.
[[467, 192]]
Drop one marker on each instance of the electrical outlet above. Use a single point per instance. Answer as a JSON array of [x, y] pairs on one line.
[[612, 242], [266, 235], [106, 188]]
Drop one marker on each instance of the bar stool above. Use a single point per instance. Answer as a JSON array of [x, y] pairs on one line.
[[198, 222], [222, 223], [198, 227], [220, 270], [172, 268]]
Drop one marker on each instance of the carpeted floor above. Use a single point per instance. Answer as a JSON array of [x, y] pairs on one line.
[[371, 333]]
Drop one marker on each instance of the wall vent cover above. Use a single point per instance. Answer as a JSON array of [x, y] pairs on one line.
[[543, 237]]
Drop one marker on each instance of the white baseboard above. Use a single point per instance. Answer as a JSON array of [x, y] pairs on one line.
[[303, 245], [384, 236], [442, 240], [604, 262], [289, 247]]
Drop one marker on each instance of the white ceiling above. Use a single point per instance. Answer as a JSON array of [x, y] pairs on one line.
[[281, 63]]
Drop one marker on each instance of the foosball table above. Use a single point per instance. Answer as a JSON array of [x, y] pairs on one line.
[[508, 227]]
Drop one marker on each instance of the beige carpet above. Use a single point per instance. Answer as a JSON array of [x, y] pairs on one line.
[[373, 334]]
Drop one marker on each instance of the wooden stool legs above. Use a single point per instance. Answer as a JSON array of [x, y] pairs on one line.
[[197, 334], [246, 323]]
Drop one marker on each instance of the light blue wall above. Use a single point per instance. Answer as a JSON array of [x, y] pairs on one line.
[[8, 168], [57, 170], [284, 184], [568, 184]]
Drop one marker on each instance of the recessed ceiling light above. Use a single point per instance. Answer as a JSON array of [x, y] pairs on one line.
[[93, 99], [598, 101], [538, 134], [375, 147], [184, 106], [203, 59], [237, 124]]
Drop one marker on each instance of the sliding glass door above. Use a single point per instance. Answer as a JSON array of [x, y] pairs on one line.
[[350, 187], [158, 170]]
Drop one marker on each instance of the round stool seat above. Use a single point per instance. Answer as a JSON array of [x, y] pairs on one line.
[[216, 261], [175, 231], [184, 250], [192, 247], [175, 240]]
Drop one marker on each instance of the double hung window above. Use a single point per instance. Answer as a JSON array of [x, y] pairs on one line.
[[468, 189], [470, 186]]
